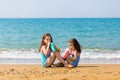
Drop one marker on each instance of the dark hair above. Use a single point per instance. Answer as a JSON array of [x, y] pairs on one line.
[[42, 41], [76, 44]]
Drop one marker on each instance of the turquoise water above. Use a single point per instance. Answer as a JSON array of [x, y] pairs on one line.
[[99, 37], [91, 32]]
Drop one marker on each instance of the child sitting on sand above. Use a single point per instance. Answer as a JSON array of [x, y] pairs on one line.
[[47, 56], [72, 54]]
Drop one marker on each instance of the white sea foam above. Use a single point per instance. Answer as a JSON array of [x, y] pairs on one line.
[[99, 53], [19, 53], [33, 53]]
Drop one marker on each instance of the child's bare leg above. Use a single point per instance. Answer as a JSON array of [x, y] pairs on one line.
[[68, 60], [61, 60], [51, 59]]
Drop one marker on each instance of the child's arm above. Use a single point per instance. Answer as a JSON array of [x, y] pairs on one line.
[[57, 49], [46, 49], [75, 56]]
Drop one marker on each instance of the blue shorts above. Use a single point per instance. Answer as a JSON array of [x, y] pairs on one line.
[[44, 59], [75, 63]]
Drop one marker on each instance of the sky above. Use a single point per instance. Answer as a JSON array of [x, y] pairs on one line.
[[59, 8]]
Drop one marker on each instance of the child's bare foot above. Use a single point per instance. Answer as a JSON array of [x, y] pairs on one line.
[[53, 65], [68, 66], [59, 64]]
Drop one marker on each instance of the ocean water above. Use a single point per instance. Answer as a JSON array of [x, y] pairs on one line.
[[99, 38]]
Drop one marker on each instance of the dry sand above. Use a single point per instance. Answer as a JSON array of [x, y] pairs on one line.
[[82, 72]]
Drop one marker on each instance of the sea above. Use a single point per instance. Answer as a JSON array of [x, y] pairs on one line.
[[99, 37]]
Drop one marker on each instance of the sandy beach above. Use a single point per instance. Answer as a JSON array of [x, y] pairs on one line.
[[82, 72]]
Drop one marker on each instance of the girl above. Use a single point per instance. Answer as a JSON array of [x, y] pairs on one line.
[[47, 56], [72, 54]]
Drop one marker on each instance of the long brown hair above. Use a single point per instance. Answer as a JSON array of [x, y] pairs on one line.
[[76, 44], [42, 41]]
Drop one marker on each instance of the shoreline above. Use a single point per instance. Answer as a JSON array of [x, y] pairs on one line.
[[38, 61], [37, 72]]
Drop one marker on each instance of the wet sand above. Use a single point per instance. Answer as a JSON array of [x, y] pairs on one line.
[[82, 72]]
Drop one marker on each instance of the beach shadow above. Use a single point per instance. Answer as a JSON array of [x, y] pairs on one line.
[[87, 66]]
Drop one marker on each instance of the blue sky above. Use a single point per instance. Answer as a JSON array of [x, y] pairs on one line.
[[59, 8]]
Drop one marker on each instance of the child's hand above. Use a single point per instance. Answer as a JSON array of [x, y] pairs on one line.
[[58, 49], [48, 44]]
